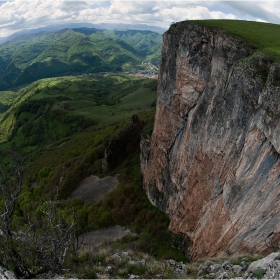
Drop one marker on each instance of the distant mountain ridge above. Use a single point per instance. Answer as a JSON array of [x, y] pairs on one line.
[[107, 26], [79, 50]]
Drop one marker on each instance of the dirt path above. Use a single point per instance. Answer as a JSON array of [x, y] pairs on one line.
[[94, 189], [95, 238]]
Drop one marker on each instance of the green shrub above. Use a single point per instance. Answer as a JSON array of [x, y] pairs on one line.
[[136, 268], [44, 172], [122, 272], [91, 274], [259, 273]]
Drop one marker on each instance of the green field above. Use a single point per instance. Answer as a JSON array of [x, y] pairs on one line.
[[133, 103], [263, 36]]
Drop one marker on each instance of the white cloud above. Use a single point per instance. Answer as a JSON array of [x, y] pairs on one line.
[[197, 12], [24, 14], [260, 20], [132, 7], [70, 6]]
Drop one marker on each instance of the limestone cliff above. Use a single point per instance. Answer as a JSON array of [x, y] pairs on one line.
[[212, 163]]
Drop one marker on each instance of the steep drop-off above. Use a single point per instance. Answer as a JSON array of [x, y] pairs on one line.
[[212, 163]]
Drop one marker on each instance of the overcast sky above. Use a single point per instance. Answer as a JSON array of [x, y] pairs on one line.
[[16, 15]]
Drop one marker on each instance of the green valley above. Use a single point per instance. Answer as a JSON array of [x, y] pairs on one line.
[[73, 104], [53, 108], [62, 127], [80, 103], [78, 51]]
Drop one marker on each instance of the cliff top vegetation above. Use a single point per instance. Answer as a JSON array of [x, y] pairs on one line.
[[263, 36]]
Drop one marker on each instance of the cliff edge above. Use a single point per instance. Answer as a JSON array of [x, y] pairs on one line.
[[212, 162]]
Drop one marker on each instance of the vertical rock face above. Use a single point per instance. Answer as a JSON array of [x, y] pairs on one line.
[[212, 163]]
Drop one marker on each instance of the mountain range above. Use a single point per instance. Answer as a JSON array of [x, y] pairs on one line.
[[76, 51], [109, 26]]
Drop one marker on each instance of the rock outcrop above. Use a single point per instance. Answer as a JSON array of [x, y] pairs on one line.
[[212, 163], [266, 268], [6, 274]]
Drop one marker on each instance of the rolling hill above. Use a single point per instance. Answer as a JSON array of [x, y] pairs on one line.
[[107, 26], [75, 51], [53, 108]]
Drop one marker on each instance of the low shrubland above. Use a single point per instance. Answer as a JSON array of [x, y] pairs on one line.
[[60, 168]]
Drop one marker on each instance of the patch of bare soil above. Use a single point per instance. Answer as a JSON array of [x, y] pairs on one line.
[[97, 237], [93, 188]]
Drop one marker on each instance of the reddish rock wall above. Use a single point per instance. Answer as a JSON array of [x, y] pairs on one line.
[[212, 163]]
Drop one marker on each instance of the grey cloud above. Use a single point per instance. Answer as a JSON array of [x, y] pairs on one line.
[[16, 24], [68, 6], [252, 9], [133, 7], [154, 12]]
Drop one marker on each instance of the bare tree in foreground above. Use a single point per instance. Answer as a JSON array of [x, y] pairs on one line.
[[10, 189], [42, 243]]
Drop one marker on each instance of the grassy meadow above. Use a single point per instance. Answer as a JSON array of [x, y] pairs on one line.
[[6, 99], [263, 36]]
